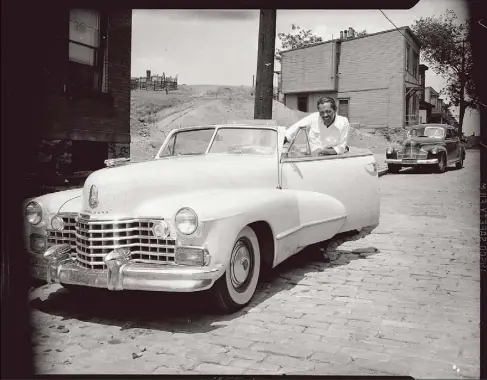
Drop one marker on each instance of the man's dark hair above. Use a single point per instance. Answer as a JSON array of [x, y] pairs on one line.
[[327, 99]]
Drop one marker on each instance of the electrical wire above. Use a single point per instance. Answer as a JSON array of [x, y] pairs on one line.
[[392, 23]]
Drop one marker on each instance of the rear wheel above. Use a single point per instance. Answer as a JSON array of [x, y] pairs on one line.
[[393, 168], [441, 165], [237, 286]]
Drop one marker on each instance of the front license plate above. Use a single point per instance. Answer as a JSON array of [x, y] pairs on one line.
[[409, 161]]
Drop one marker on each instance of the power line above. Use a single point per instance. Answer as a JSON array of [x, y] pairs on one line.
[[392, 23]]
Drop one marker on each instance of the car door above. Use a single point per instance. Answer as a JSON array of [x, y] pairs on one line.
[[450, 145], [328, 181]]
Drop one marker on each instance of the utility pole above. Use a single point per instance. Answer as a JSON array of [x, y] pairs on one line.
[[264, 84]]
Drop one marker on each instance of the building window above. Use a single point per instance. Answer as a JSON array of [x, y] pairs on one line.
[[343, 107], [408, 48], [303, 103], [87, 50], [415, 64]]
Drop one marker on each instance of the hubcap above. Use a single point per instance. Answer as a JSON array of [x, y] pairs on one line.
[[241, 264]]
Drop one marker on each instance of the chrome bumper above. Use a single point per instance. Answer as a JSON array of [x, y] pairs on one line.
[[418, 162], [122, 274]]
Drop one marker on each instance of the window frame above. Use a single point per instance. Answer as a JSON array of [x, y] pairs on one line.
[[308, 146], [307, 102], [100, 67], [348, 107]]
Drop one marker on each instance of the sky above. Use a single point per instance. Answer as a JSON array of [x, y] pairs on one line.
[[219, 47]]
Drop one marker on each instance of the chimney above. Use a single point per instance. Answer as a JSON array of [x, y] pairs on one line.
[[345, 34], [148, 74], [341, 34], [350, 32]]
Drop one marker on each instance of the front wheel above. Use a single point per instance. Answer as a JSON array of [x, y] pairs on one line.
[[441, 165], [236, 287]]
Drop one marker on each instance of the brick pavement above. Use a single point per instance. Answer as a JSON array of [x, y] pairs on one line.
[[403, 299]]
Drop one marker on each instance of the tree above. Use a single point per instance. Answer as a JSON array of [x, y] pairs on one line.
[[361, 34], [445, 46], [296, 39]]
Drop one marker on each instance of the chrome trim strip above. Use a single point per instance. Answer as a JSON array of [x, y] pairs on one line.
[[116, 246], [306, 225], [82, 219], [419, 162], [327, 157], [118, 238], [118, 230]]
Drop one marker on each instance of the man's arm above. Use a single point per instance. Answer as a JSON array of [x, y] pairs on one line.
[[293, 129], [342, 143]]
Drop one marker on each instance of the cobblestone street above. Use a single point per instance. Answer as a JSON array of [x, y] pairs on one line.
[[402, 299]]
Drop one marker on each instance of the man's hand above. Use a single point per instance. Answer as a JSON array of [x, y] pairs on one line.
[[327, 151]]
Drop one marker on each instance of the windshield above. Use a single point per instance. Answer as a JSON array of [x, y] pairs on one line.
[[241, 140], [433, 132], [188, 142]]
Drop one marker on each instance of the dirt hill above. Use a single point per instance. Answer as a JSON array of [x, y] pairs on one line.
[[154, 114]]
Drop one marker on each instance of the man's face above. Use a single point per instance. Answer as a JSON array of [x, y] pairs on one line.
[[326, 112]]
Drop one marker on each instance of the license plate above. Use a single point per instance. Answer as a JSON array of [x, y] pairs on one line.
[[409, 161]]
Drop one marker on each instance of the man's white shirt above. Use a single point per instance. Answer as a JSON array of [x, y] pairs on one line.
[[321, 136]]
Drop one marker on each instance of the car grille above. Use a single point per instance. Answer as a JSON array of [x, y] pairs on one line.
[[412, 152], [92, 240]]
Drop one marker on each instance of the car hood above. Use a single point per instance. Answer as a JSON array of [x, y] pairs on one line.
[[123, 189], [420, 141]]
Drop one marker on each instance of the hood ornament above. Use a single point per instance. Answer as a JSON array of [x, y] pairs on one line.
[[93, 199], [113, 162]]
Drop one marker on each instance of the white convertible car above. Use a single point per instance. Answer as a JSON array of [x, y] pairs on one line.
[[216, 205]]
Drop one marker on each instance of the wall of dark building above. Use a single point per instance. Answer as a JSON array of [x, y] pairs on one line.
[[79, 130]]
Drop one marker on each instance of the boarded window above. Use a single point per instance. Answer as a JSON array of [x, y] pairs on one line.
[[303, 103], [343, 107]]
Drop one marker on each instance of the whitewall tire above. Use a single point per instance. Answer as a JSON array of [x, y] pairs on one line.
[[237, 286]]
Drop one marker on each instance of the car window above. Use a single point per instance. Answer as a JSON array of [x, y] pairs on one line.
[[241, 140], [300, 146], [191, 142], [434, 132]]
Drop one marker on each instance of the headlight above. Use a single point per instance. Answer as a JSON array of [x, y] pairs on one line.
[[389, 151], [186, 221], [434, 151], [33, 213], [57, 223], [160, 229]]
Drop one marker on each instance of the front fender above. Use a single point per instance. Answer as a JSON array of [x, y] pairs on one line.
[[51, 204]]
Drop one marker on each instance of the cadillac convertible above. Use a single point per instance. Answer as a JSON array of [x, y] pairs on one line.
[[433, 145], [215, 207]]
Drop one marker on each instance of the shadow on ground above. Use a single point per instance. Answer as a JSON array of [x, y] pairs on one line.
[[192, 312]]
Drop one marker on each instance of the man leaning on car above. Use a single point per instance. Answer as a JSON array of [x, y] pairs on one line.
[[327, 131]]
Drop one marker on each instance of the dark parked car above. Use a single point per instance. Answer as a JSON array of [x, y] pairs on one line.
[[433, 145]]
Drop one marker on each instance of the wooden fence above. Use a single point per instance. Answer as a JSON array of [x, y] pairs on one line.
[[155, 83]]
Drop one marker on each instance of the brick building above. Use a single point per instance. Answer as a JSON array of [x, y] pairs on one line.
[[374, 78], [86, 92]]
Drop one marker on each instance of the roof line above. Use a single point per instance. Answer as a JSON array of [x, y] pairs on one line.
[[405, 28]]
